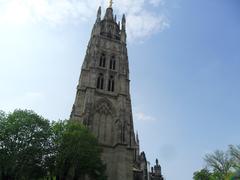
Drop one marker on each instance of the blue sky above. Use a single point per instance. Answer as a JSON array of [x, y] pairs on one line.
[[184, 62]]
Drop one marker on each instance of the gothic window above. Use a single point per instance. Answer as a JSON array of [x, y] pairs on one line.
[[100, 81], [111, 84], [109, 30], [112, 63], [102, 62]]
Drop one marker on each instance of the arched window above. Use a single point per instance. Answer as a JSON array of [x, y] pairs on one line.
[[100, 81], [112, 63], [102, 62], [111, 84]]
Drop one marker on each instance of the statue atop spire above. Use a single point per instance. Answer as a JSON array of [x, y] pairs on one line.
[[109, 12], [110, 3]]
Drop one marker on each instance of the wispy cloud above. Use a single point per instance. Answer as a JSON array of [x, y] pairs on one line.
[[140, 116], [141, 21], [145, 24]]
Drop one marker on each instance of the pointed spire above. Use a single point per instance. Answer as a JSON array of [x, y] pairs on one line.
[[137, 138], [124, 22], [99, 14], [124, 18], [123, 30]]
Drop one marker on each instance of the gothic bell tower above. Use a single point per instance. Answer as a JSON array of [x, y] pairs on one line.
[[103, 102]]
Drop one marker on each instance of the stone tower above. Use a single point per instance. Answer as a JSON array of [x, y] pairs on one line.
[[103, 102]]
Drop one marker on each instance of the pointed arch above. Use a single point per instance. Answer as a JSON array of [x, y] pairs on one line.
[[104, 120]]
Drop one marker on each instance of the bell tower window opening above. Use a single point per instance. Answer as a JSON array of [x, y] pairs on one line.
[[102, 62], [112, 63], [111, 84], [100, 81]]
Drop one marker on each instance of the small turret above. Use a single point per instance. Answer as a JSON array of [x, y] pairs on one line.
[[157, 168], [96, 27], [156, 172]]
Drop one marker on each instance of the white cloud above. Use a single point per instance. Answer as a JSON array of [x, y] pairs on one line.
[[140, 116], [141, 22], [157, 2], [145, 24]]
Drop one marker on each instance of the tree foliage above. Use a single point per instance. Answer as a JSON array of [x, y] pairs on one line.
[[24, 144], [220, 162], [235, 153], [79, 154], [221, 165], [33, 148], [203, 174]]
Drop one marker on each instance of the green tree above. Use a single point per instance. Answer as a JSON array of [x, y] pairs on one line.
[[223, 165], [79, 154], [3, 161], [58, 128], [203, 174], [32, 148], [24, 145], [220, 162]]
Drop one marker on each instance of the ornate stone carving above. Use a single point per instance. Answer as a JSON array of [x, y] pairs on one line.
[[104, 106]]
